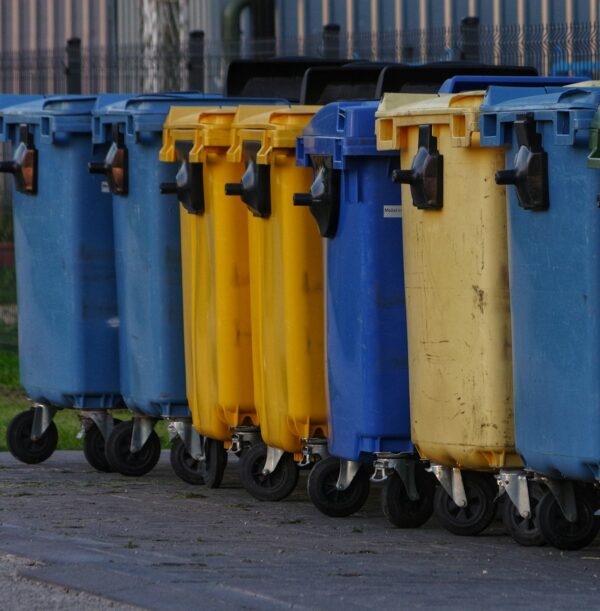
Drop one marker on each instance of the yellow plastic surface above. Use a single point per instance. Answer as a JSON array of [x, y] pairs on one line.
[[457, 294], [286, 277], [216, 286]]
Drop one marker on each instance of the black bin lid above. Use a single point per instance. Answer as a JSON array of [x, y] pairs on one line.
[[354, 81], [428, 78], [279, 77]]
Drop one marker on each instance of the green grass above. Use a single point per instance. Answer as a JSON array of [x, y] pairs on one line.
[[13, 401]]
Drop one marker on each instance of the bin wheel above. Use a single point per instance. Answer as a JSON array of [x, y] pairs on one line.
[[399, 509], [20, 444], [216, 461], [125, 462], [184, 465], [480, 490], [273, 487], [94, 448], [525, 531], [563, 534], [330, 501]]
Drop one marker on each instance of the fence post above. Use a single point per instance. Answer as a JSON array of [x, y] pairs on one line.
[[469, 38], [331, 40], [73, 68], [195, 63]]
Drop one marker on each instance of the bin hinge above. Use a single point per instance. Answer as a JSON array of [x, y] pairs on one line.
[[115, 165], [24, 164], [426, 177], [530, 174], [255, 187], [324, 195], [188, 186]]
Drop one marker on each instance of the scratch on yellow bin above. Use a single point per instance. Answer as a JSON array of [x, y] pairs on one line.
[[455, 262], [286, 280], [216, 285]]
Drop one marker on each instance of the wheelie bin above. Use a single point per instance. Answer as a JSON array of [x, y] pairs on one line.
[[66, 292], [148, 272], [286, 297], [457, 301], [216, 284], [554, 246], [358, 212]]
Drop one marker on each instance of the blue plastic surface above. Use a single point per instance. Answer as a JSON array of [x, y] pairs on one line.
[[367, 354], [68, 320], [148, 255], [456, 84], [555, 286]]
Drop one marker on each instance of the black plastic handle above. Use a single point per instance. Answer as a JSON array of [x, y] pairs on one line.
[[188, 187], [9, 167], [168, 188], [234, 188], [303, 199], [506, 177], [24, 164], [98, 167], [406, 177]]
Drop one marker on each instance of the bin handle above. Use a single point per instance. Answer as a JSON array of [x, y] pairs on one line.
[[255, 186], [188, 186], [426, 177], [324, 196], [24, 165], [115, 165], [530, 174]]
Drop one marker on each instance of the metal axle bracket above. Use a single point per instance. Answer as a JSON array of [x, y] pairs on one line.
[[244, 436], [274, 455], [404, 466], [517, 488], [142, 429], [191, 438], [102, 419], [311, 448], [42, 417], [348, 471], [451, 481]]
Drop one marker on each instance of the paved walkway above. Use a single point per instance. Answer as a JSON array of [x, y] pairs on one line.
[[72, 538]]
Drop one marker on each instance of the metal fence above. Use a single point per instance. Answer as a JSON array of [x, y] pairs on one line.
[[555, 49]]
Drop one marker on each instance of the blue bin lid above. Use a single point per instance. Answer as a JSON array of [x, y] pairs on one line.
[[338, 130], [64, 113], [575, 106], [147, 112], [459, 83]]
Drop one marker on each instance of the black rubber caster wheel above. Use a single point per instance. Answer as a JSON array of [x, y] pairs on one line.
[[563, 534], [94, 448], [272, 487], [125, 462], [216, 461], [399, 509], [327, 498], [525, 531], [20, 444], [481, 490], [185, 466]]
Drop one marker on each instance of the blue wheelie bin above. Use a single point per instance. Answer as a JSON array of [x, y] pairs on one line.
[[67, 307], [357, 208], [554, 256], [149, 289]]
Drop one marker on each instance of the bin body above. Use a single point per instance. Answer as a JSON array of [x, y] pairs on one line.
[[66, 292], [554, 255], [286, 283], [148, 258], [366, 345], [457, 299], [216, 283]]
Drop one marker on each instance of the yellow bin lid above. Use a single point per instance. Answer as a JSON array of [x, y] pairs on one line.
[[458, 110], [275, 127]]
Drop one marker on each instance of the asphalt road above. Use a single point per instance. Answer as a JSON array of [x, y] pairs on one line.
[[71, 538]]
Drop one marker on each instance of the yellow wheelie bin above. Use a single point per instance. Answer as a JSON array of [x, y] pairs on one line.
[[458, 306], [286, 295], [216, 288]]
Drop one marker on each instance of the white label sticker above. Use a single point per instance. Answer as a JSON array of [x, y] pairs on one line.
[[392, 212], [104, 187]]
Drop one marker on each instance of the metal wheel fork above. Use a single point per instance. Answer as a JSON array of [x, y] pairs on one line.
[[451, 481], [564, 493], [42, 417], [404, 466], [516, 486], [348, 471], [142, 429], [192, 440], [101, 418]]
